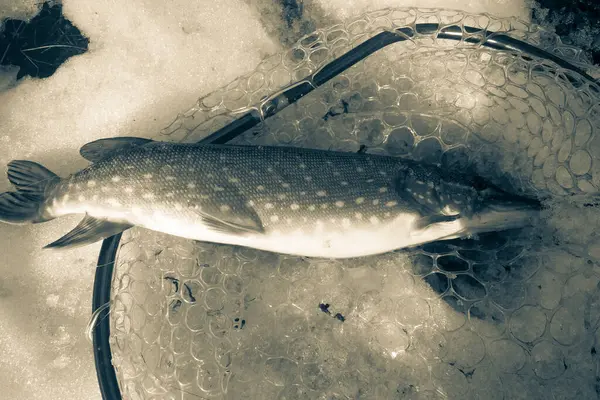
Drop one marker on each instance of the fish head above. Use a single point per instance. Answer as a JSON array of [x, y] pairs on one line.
[[484, 207], [457, 206]]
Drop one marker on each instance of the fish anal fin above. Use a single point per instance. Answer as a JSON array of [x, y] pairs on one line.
[[89, 230], [102, 148]]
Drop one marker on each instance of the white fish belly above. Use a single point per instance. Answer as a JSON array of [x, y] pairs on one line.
[[353, 242]]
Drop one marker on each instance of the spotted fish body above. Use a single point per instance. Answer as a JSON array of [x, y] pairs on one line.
[[286, 200]]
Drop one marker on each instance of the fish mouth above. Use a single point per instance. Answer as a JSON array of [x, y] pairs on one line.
[[505, 214], [500, 211], [507, 218], [494, 219], [494, 210]]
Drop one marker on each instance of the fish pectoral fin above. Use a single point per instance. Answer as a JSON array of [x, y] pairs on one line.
[[89, 230], [236, 224], [102, 148], [428, 220], [227, 227]]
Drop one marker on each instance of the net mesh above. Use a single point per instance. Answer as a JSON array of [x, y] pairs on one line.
[[511, 315]]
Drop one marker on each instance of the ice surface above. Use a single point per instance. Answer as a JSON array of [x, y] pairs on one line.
[[149, 61]]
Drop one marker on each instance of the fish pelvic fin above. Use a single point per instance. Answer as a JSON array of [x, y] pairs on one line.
[[88, 231], [33, 183]]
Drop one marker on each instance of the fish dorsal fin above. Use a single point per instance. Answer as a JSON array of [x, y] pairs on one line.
[[102, 148], [89, 230]]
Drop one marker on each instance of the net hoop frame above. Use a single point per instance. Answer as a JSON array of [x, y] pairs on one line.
[[268, 107]]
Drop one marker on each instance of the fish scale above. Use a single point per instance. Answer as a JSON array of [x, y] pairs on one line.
[[288, 200], [261, 174]]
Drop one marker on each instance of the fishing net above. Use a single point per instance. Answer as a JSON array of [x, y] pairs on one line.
[[509, 315]]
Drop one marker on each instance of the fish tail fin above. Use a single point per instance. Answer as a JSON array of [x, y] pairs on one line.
[[33, 183]]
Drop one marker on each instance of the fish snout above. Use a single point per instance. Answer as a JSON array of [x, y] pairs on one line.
[[498, 200]]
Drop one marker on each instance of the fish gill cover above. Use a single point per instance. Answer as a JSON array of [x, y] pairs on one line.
[[508, 315]]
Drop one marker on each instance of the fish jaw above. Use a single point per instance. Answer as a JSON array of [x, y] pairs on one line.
[[490, 220], [498, 210], [499, 220]]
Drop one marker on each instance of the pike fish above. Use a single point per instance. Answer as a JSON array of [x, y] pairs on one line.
[[306, 202]]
